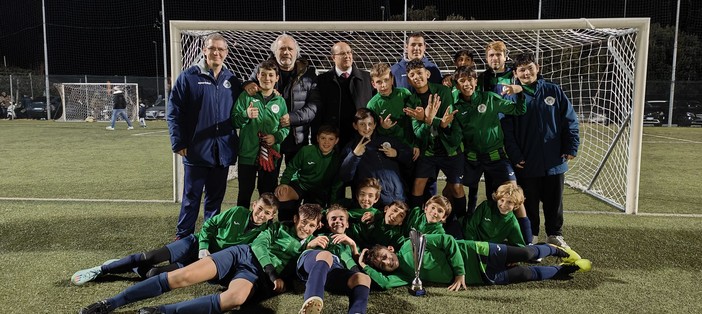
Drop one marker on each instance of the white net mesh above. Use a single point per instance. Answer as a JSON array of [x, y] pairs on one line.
[[83, 100], [595, 68]]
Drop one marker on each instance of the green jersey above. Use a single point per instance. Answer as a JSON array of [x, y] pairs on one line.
[[311, 169], [343, 251], [267, 122], [479, 118], [393, 105], [356, 214], [432, 134], [442, 262], [228, 228], [278, 245], [489, 225], [417, 219], [377, 232]]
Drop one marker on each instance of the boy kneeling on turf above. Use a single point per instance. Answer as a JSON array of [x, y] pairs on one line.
[[329, 263], [244, 269], [309, 175]]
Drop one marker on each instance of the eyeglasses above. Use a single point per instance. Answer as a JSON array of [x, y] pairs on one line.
[[344, 53]]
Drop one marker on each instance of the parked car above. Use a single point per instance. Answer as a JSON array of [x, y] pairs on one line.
[[593, 117], [654, 112], [156, 112], [686, 118]]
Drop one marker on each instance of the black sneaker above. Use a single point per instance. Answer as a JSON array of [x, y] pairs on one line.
[[150, 310], [97, 308]]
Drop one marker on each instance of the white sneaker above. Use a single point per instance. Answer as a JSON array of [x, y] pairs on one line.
[[557, 240], [313, 305], [130, 128], [110, 128]]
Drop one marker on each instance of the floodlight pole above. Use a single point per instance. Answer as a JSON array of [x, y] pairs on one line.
[[46, 65], [156, 58], [675, 59]]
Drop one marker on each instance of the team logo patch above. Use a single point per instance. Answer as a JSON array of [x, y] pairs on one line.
[[275, 108], [227, 84], [550, 100], [482, 108]]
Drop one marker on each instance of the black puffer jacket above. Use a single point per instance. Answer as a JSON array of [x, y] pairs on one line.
[[301, 98]]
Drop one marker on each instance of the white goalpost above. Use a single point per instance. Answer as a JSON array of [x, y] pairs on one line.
[[81, 101], [599, 63]]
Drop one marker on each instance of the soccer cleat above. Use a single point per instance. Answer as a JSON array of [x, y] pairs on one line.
[[557, 240], [313, 305], [567, 254], [582, 266], [86, 275], [130, 128], [150, 310], [96, 308], [110, 128]]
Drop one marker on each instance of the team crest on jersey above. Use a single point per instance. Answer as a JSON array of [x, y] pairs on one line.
[[275, 108], [227, 84], [482, 108], [550, 100]]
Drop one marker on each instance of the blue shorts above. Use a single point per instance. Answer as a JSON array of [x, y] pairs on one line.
[[497, 172], [496, 264], [237, 262], [184, 251], [451, 166], [303, 275]]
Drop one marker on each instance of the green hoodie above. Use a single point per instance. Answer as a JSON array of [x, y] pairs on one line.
[[267, 122]]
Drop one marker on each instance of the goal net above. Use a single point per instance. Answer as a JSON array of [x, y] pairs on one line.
[[599, 63], [82, 100]]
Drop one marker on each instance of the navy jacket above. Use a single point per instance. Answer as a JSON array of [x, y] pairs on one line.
[[374, 164], [199, 116], [547, 130]]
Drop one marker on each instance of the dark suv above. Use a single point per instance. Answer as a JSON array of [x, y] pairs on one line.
[[655, 112]]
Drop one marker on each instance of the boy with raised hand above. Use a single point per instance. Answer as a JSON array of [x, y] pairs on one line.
[[539, 144], [310, 173], [258, 118], [382, 228], [479, 116], [367, 194], [371, 155], [431, 107], [388, 104], [496, 220], [243, 269], [329, 263], [463, 262], [238, 225]]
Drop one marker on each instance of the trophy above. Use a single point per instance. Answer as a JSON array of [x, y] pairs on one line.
[[419, 242]]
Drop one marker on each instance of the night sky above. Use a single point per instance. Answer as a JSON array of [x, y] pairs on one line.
[[98, 37]]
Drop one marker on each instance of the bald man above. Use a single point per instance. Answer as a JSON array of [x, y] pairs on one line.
[[343, 89]]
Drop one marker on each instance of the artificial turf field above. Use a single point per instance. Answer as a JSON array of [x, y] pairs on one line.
[[647, 263]]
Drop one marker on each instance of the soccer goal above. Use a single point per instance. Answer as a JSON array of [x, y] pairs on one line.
[[93, 101], [600, 63]]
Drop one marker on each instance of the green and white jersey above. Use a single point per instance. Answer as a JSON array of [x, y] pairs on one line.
[[279, 245], [479, 118], [311, 169], [267, 122], [417, 219], [429, 135], [489, 225], [393, 105], [228, 228]]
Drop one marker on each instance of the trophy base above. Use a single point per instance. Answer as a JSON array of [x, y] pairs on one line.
[[417, 292]]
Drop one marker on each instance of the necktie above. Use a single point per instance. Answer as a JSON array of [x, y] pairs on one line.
[[345, 75]]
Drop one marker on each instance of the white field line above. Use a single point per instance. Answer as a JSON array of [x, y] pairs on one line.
[[672, 138], [150, 133], [81, 200], [638, 214]]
